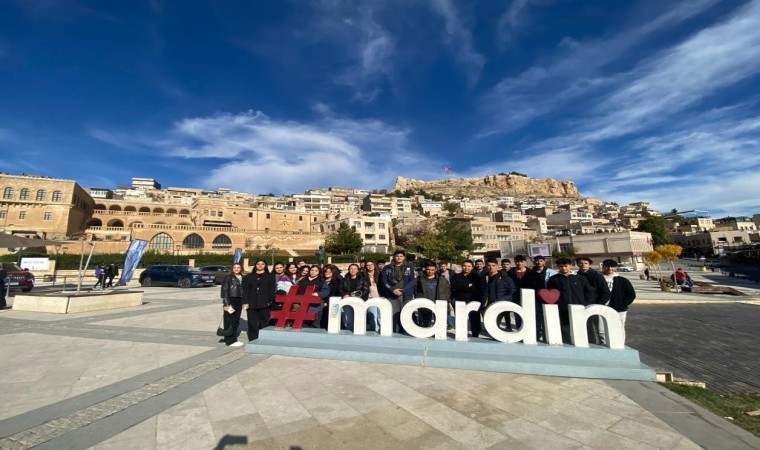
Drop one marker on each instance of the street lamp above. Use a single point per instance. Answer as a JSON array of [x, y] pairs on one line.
[[55, 269]]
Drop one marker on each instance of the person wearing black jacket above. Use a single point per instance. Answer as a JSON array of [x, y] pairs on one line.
[[259, 289], [601, 295], [574, 290], [354, 284], [622, 292], [3, 288], [432, 286], [467, 286], [232, 299], [528, 279]]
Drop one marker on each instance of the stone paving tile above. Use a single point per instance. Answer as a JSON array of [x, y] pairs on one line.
[[144, 433], [185, 428], [66, 366], [652, 435], [199, 318]]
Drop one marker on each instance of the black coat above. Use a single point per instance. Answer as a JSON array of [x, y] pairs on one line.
[[467, 288], [574, 290], [531, 280], [231, 288], [359, 283], [623, 294], [597, 281], [259, 290]]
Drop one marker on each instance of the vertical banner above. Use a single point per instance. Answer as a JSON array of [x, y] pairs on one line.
[[238, 256], [134, 255]]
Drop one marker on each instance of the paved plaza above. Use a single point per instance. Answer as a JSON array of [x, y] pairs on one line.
[[155, 377]]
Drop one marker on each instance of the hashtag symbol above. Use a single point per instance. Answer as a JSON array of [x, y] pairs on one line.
[[295, 308]]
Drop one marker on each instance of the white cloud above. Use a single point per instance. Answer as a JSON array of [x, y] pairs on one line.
[[573, 72], [266, 155], [459, 40]]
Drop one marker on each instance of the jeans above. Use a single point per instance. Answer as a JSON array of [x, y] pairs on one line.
[[373, 318]]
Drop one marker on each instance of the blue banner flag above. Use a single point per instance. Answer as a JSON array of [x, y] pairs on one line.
[[134, 255], [238, 256]]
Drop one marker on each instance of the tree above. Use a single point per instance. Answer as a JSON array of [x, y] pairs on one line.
[[448, 239], [451, 207], [658, 227], [670, 253], [652, 260], [568, 253], [344, 240]]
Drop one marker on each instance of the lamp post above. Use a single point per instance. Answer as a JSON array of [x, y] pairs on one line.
[[55, 269]]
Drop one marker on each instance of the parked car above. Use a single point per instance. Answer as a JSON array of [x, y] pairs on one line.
[[182, 276], [625, 268], [19, 278], [219, 272]]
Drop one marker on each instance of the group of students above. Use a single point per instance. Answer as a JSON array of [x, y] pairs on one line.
[[398, 281]]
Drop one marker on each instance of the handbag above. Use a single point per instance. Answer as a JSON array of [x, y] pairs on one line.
[[220, 331]]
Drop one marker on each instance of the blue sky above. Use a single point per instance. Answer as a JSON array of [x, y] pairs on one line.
[[653, 101]]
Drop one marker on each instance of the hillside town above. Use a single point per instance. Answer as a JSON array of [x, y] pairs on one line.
[[504, 214]]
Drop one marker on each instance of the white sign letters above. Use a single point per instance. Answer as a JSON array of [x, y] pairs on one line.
[[579, 315]]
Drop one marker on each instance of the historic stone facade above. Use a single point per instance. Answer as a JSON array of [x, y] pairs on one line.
[[46, 207]]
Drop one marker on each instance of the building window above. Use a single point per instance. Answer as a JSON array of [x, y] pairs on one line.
[[250, 214], [193, 241], [381, 226], [3, 214], [221, 241], [8, 193], [219, 213], [56, 196], [48, 216], [300, 218], [162, 241], [269, 216], [24, 194], [41, 195], [381, 237], [22, 215]]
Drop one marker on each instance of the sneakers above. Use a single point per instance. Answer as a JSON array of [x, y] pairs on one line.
[[236, 344]]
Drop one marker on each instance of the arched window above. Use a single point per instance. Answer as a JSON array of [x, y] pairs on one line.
[[24, 194], [56, 196], [41, 195], [222, 241], [185, 212], [130, 209], [114, 208], [144, 209], [162, 241], [100, 207], [193, 241], [116, 223], [8, 193], [171, 211], [158, 210]]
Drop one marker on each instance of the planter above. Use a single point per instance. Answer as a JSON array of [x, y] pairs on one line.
[[67, 303]]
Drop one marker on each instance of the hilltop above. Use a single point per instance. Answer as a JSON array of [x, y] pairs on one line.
[[491, 186]]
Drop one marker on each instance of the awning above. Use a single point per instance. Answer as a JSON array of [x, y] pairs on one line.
[[13, 241]]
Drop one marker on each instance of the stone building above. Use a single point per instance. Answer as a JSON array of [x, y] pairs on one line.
[[626, 247], [375, 231], [50, 208]]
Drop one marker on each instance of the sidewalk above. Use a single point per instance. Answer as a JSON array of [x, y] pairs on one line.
[[154, 377]]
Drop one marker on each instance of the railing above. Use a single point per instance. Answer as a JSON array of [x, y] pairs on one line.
[[110, 212], [161, 226]]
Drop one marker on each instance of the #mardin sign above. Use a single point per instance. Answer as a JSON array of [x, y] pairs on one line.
[[579, 314]]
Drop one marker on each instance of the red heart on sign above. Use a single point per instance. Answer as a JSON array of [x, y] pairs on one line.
[[550, 296]]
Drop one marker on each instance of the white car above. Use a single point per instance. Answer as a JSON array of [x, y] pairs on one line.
[[624, 268]]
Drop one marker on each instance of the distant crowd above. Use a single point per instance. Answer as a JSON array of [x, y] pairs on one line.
[[483, 281]]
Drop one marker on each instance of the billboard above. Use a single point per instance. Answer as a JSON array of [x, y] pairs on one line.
[[35, 264], [539, 250], [238, 256]]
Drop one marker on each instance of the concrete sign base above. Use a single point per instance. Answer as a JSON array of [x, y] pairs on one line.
[[473, 354]]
